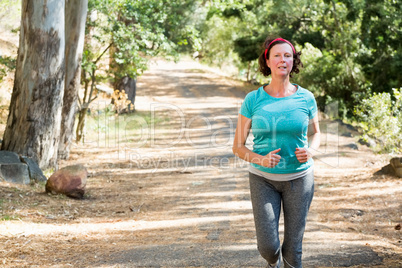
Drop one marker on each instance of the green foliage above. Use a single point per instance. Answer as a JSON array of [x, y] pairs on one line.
[[230, 36], [381, 38], [217, 45], [138, 30], [7, 64], [356, 43], [130, 32], [135, 31], [381, 119], [248, 47]]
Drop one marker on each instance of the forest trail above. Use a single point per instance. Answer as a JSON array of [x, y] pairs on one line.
[[175, 196]]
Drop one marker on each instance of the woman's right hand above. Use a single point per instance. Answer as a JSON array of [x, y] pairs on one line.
[[271, 160]]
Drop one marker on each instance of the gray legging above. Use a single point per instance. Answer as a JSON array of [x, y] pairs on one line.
[[267, 197]]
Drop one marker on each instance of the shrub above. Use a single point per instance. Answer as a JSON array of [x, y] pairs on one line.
[[381, 119], [7, 64]]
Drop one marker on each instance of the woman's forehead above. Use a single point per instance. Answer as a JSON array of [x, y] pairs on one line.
[[282, 47]]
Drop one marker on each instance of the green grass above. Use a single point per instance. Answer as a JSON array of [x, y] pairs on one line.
[[105, 126], [8, 218], [196, 71], [48, 172]]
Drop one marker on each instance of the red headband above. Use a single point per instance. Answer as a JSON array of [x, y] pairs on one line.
[[279, 39]]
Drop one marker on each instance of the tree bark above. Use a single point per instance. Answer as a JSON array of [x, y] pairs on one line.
[[81, 125], [75, 18], [33, 124], [129, 85]]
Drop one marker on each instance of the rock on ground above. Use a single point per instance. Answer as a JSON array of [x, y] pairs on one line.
[[7, 157], [70, 181], [35, 173], [11, 168], [15, 173], [396, 164]]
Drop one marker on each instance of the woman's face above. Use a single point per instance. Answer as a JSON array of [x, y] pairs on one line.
[[280, 59]]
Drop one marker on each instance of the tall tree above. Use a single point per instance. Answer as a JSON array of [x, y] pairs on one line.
[[132, 31], [33, 125], [146, 28], [75, 18], [381, 53]]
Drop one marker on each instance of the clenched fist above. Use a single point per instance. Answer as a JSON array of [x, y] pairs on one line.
[[303, 154], [272, 159]]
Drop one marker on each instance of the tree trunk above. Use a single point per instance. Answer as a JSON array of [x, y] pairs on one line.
[[129, 85], [76, 13], [80, 132], [33, 125]]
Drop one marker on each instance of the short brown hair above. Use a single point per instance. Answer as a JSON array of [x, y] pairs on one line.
[[262, 63]]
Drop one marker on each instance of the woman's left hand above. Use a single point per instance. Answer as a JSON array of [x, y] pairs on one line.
[[303, 154]]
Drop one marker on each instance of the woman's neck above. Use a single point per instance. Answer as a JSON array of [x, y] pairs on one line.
[[280, 88]]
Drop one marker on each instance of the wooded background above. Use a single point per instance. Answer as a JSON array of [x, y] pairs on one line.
[[351, 50]]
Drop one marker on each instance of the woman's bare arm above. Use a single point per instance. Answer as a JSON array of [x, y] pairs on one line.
[[241, 151]]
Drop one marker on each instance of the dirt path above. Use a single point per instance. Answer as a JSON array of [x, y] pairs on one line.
[[175, 196]]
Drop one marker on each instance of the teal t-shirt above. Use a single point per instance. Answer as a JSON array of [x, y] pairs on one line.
[[280, 123]]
